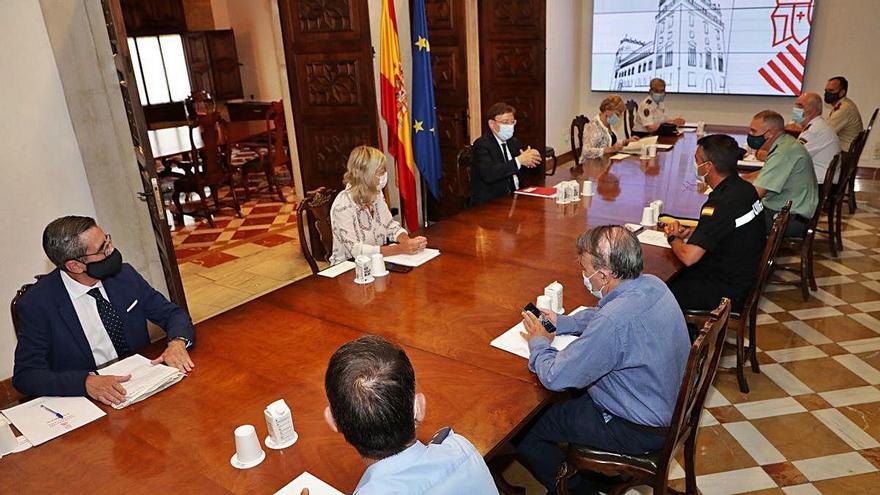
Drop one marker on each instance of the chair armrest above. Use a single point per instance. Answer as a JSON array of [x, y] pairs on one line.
[[697, 316]]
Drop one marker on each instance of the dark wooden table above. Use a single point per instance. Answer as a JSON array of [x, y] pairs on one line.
[[174, 141], [495, 259]]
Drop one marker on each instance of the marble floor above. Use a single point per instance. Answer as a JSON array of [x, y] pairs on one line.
[[811, 423]]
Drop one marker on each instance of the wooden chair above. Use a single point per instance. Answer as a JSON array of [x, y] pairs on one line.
[[463, 173], [841, 193], [857, 151], [804, 245], [747, 318], [629, 120], [653, 468], [270, 158], [313, 212], [19, 294], [208, 170], [576, 136], [198, 104]]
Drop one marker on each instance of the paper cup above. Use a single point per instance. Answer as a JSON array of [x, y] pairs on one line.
[[587, 190], [378, 264], [644, 153], [544, 302], [652, 151], [363, 273], [648, 216], [248, 452]]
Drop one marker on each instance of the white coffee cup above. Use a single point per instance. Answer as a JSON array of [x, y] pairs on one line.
[[248, 452], [645, 151], [8, 442], [562, 193], [652, 151], [363, 273], [648, 216], [587, 190], [378, 263], [544, 302]]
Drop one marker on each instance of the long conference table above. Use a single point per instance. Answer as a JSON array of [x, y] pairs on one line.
[[495, 258]]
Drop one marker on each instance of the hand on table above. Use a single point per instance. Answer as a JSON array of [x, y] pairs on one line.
[[614, 149], [678, 121], [761, 154], [175, 355], [414, 245], [677, 230], [529, 158], [534, 328], [106, 389], [632, 139]]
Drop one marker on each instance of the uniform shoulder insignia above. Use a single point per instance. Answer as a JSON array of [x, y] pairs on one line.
[[707, 211], [441, 435], [647, 112], [802, 140]]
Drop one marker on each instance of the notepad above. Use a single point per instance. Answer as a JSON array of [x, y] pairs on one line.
[[307, 480], [654, 238], [619, 156], [541, 192], [337, 269], [418, 259], [513, 342], [636, 146], [146, 379], [45, 418]]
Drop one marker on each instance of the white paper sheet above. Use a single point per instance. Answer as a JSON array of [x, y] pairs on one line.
[[654, 238], [414, 260], [619, 156], [689, 124], [337, 270], [750, 163], [664, 146], [632, 227], [39, 425], [310, 481], [687, 129], [513, 342]]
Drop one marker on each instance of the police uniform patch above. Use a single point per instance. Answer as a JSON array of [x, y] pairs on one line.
[[707, 211], [647, 112]]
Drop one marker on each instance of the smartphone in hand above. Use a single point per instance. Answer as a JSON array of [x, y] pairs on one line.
[[531, 308]]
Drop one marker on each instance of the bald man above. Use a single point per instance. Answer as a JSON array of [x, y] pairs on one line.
[[817, 136], [652, 111]]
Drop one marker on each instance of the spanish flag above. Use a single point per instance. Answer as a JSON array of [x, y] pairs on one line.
[[396, 114]]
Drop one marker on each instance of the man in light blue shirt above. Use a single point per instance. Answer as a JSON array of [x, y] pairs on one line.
[[630, 357], [371, 387]]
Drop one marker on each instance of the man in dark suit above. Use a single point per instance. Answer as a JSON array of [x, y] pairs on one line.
[[498, 157], [90, 310]]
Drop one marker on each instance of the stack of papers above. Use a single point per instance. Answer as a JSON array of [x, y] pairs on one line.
[[541, 192], [414, 260], [337, 269], [513, 342], [654, 238], [664, 146], [619, 156], [146, 379], [45, 418], [636, 146], [310, 481]]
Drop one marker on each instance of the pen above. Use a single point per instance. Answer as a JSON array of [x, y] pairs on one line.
[[56, 413]]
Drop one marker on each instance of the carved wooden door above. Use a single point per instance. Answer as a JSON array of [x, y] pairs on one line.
[[512, 62], [330, 69], [446, 32]]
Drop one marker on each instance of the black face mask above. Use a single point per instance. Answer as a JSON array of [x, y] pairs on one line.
[[107, 267], [832, 98]]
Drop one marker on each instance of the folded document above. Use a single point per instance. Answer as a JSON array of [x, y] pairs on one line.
[[513, 342], [146, 379]]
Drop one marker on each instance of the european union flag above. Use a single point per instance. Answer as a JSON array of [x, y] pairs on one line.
[[426, 145]]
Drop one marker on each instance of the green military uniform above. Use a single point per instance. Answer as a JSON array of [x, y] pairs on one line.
[[788, 175]]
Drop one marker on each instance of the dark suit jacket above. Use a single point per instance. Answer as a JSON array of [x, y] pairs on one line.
[[491, 174], [53, 356]]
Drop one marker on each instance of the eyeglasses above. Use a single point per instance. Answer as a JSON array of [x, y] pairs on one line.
[[106, 245], [511, 122]]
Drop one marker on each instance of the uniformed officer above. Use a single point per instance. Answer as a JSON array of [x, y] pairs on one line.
[[722, 253], [371, 387], [817, 136], [652, 111]]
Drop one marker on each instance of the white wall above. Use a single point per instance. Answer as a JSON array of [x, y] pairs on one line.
[[564, 37], [41, 166], [252, 22], [844, 39]]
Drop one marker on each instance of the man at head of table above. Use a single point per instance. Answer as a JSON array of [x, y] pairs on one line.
[[90, 310], [630, 356], [498, 157], [371, 387], [652, 110], [722, 252], [787, 174]]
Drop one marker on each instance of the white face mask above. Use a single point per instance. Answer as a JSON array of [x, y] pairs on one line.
[[589, 285], [505, 131], [701, 178], [383, 181]]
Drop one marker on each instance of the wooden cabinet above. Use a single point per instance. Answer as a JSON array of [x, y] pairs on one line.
[[148, 17], [213, 63]]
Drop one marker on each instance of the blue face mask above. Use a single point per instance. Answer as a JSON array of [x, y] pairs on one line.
[[589, 285], [797, 115], [505, 131], [658, 97], [613, 120]]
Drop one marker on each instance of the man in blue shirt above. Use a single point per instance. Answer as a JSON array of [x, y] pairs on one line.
[[630, 357], [371, 387]]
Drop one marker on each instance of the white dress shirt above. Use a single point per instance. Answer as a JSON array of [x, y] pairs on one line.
[[822, 144], [87, 311], [508, 156]]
